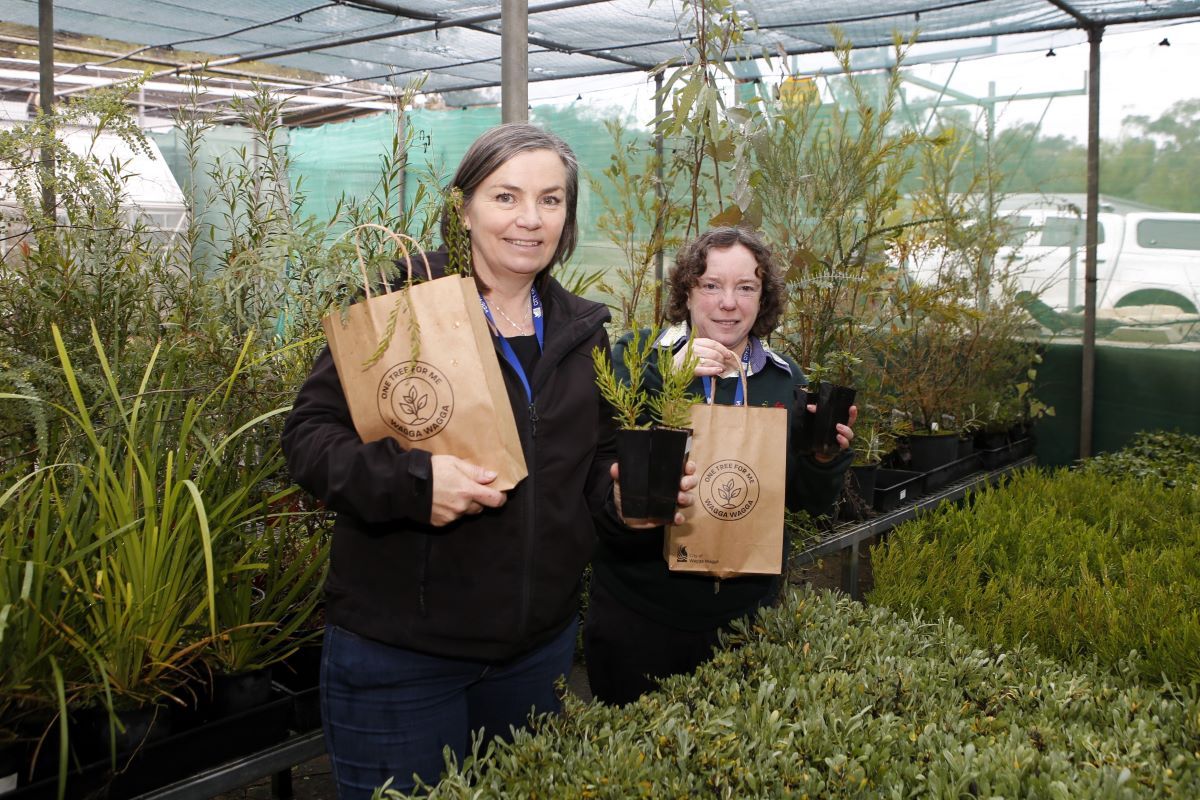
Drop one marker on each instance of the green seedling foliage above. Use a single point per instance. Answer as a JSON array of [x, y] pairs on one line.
[[1079, 564], [638, 401], [671, 405], [825, 697], [627, 398]]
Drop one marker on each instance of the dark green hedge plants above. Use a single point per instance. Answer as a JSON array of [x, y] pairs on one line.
[[1077, 563], [1169, 456], [825, 697]]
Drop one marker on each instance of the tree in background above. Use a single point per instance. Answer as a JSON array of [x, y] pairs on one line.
[[1158, 159]]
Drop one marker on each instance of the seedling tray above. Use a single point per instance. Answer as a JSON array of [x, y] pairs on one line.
[[896, 487]]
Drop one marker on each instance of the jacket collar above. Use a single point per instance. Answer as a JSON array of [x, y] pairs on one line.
[[570, 319]]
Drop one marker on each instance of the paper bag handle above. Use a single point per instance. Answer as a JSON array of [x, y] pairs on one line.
[[398, 239], [712, 394]]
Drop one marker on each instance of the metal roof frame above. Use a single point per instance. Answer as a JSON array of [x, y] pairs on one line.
[[458, 42], [571, 47]]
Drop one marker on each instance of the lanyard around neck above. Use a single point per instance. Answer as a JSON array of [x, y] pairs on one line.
[[738, 397], [539, 330]]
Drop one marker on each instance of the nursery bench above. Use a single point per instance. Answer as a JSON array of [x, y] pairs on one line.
[[848, 535], [275, 761]]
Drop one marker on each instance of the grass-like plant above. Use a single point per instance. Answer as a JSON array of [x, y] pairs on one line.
[[270, 589], [151, 503], [33, 603]]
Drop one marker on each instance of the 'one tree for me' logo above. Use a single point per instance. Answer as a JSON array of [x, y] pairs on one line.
[[729, 490], [415, 400]]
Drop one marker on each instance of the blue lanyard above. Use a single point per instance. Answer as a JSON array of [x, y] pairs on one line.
[[738, 397], [539, 330]]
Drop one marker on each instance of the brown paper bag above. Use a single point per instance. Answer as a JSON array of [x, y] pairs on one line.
[[735, 527], [435, 401]]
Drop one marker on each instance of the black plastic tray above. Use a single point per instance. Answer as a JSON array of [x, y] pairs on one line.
[[948, 473], [896, 487], [1006, 454], [171, 759]]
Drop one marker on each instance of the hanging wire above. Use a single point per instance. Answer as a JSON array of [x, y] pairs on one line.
[[296, 16]]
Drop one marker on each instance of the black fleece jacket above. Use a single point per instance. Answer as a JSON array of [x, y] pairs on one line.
[[630, 564], [491, 586]]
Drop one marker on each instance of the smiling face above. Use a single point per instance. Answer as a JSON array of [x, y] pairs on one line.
[[723, 304], [516, 216]]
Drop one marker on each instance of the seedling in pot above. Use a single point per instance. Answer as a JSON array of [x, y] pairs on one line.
[[654, 433], [833, 401]]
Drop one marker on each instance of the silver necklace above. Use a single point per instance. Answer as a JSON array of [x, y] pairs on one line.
[[516, 325]]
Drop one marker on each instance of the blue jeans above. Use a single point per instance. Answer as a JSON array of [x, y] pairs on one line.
[[388, 712]]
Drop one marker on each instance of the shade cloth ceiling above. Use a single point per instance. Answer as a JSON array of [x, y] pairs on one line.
[[458, 41]]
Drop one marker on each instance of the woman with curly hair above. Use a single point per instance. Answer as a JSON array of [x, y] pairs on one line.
[[645, 622]]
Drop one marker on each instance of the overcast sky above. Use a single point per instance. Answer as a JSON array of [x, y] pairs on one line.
[[1138, 76]]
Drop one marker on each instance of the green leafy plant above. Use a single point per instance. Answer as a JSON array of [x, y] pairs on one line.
[[627, 398], [671, 404], [1080, 564], [1170, 456], [872, 441], [271, 577], [638, 403], [458, 239], [148, 501], [640, 218], [826, 697]]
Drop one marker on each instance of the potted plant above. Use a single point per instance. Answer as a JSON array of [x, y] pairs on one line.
[[832, 398], [653, 423], [34, 608], [151, 495], [270, 585]]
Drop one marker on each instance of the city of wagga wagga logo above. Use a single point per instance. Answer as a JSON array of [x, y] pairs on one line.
[[415, 400], [729, 490]]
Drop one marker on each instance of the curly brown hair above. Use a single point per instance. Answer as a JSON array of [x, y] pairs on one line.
[[692, 260]]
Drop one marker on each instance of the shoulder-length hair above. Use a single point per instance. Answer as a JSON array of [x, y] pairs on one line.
[[496, 146], [692, 260]]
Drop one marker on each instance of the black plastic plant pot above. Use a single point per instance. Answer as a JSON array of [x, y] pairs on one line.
[[650, 464], [966, 445], [833, 409], [929, 451], [863, 478], [858, 493], [802, 420], [11, 758], [991, 439], [99, 736], [235, 692]]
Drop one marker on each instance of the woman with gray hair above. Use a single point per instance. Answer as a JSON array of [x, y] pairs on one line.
[[452, 607]]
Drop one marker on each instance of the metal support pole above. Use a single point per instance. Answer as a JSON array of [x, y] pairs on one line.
[[514, 61], [1087, 394], [46, 85], [662, 198]]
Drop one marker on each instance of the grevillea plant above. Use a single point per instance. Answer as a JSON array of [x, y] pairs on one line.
[[638, 399]]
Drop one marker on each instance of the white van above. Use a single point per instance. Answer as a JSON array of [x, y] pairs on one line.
[[1142, 258]]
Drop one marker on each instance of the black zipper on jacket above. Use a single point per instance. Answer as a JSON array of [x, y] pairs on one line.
[[421, 607], [529, 532], [529, 529]]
